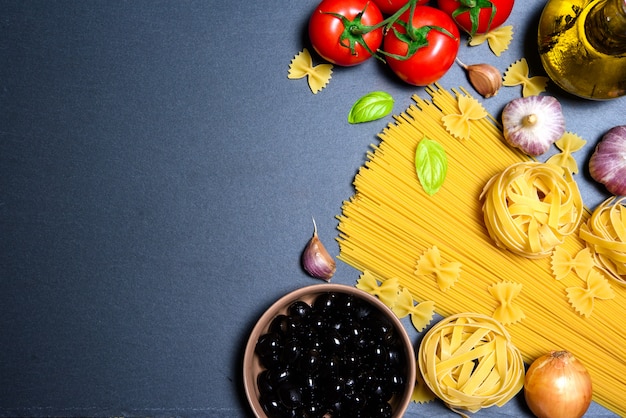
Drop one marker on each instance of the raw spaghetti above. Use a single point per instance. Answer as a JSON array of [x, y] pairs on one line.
[[390, 221]]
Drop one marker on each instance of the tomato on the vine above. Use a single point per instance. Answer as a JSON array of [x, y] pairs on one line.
[[389, 7], [431, 44], [341, 31], [477, 16]]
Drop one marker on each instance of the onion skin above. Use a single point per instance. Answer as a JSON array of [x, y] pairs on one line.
[[557, 385], [608, 161]]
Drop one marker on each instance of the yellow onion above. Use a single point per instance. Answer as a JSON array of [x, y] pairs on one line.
[[557, 385]]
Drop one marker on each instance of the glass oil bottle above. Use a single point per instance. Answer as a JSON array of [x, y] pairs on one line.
[[582, 45]]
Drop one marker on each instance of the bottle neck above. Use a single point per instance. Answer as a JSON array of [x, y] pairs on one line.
[[605, 26]]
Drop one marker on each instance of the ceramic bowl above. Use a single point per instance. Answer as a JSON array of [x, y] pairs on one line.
[[252, 366]]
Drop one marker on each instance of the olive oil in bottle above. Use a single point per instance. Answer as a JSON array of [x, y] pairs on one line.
[[582, 45]]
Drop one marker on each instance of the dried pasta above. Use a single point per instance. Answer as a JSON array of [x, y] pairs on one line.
[[582, 298], [390, 222], [317, 76], [498, 39], [568, 144], [563, 263], [469, 361], [398, 299], [531, 207], [507, 311], [421, 392], [430, 264], [517, 74], [458, 124], [386, 291], [605, 235], [421, 314]]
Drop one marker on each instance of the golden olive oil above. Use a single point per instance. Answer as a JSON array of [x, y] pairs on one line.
[[582, 45]]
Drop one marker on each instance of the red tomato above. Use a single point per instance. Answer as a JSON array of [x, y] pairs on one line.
[[433, 41], [475, 16], [389, 7], [336, 31]]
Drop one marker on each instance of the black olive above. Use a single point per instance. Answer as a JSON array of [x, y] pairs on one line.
[[362, 310], [311, 360], [264, 383], [396, 382], [290, 396], [269, 349], [299, 309], [272, 406], [379, 409], [279, 325], [350, 361], [333, 341], [325, 303], [291, 351], [395, 358], [315, 409]]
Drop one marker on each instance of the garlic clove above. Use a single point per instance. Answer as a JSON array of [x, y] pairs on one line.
[[533, 123], [485, 78], [316, 260]]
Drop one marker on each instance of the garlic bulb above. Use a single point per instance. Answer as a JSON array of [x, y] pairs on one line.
[[533, 123], [485, 78], [316, 260], [607, 164]]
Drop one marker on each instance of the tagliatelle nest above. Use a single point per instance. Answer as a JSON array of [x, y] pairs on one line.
[[531, 207], [605, 235], [470, 363]]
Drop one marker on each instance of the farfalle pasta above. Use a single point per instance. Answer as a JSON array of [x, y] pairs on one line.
[[302, 66], [507, 311], [385, 290], [469, 361], [568, 144], [421, 392], [421, 313], [498, 39], [446, 273], [531, 207], [518, 74], [459, 124], [398, 299], [563, 263], [605, 235], [582, 298]]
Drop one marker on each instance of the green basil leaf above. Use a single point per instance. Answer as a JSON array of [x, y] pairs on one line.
[[372, 106], [431, 164]]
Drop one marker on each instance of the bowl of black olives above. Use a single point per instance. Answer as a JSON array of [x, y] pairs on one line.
[[329, 350]]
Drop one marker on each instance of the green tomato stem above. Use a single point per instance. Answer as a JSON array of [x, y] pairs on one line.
[[415, 38]]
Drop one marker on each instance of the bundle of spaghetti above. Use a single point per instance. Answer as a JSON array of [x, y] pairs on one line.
[[390, 222]]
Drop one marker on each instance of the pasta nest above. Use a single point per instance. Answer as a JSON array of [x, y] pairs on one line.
[[531, 207], [605, 235], [469, 362]]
